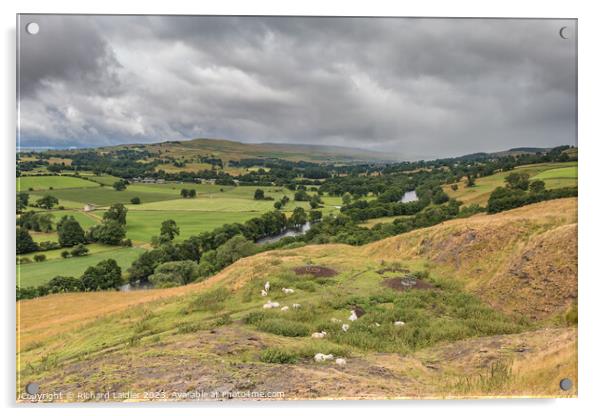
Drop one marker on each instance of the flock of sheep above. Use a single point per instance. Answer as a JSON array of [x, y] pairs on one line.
[[319, 357]]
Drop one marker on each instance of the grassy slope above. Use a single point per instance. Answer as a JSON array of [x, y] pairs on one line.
[[555, 175], [171, 328]]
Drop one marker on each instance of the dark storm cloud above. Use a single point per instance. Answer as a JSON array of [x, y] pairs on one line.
[[414, 87]]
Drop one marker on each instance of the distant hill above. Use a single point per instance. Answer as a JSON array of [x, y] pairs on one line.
[[232, 150], [515, 151]]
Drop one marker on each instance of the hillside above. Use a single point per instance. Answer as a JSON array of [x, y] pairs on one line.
[[465, 332], [232, 150]]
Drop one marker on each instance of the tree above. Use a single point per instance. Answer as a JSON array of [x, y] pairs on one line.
[[537, 186], [135, 200], [301, 195], [315, 216], [470, 181], [70, 232], [346, 198], [278, 205], [188, 193], [174, 273], [145, 265], [79, 250], [298, 218], [54, 168], [440, 198], [105, 275], [108, 232], [235, 248], [117, 212], [47, 202], [44, 221], [22, 201], [518, 180], [25, 243], [65, 254], [63, 284], [259, 194], [120, 185], [169, 230]]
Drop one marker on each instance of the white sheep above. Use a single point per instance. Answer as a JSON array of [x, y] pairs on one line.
[[267, 286], [284, 308], [271, 305], [399, 323], [353, 316], [288, 291], [345, 327], [319, 357], [318, 334], [296, 306], [263, 293], [341, 361]]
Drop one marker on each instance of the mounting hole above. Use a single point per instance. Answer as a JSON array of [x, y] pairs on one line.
[[32, 388], [566, 384], [32, 28]]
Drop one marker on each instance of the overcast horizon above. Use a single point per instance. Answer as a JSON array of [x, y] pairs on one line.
[[414, 88]]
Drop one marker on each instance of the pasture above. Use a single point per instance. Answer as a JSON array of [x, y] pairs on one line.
[[36, 274], [44, 183], [555, 175], [213, 206], [143, 225]]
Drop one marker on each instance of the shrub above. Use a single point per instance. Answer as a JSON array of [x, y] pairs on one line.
[[135, 200], [79, 250], [65, 254], [60, 284], [39, 258], [48, 245], [284, 327], [278, 356]]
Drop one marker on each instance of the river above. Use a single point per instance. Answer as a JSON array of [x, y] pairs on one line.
[[287, 233], [409, 196]]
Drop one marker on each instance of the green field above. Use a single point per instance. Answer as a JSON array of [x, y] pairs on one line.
[[143, 225], [37, 183], [36, 274], [555, 175], [101, 196]]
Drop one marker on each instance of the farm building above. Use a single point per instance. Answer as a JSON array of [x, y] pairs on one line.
[[89, 207]]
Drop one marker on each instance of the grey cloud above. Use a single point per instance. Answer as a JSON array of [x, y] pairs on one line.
[[420, 88]]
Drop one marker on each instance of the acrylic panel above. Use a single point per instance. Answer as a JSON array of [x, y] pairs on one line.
[[295, 208]]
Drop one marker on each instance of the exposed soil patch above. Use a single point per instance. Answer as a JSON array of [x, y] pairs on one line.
[[406, 283], [359, 311], [316, 271]]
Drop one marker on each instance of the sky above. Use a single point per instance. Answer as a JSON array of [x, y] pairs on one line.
[[414, 88]]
